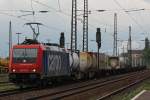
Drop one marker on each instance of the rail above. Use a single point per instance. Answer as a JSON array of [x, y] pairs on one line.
[[84, 90]]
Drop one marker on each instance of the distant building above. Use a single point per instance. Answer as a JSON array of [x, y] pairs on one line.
[[123, 58], [137, 58]]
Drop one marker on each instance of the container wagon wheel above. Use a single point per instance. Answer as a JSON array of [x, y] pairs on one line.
[[91, 75]]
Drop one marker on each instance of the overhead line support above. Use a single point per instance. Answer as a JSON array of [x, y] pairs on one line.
[[74, 26], [85, 26]]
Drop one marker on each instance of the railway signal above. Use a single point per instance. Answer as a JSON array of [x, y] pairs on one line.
[[98, 40], [62, 40], [98, 37]]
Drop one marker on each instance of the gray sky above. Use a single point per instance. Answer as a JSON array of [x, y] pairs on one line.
[[58, 20]]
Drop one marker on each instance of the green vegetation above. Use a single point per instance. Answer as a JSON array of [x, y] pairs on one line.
[[5, 84], [129, 94], [3, 77], [5, 87], [4, 62], [146, 54]]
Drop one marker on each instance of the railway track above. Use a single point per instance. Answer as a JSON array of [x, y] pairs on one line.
[[9, 92], [99, 89], [104, 89]]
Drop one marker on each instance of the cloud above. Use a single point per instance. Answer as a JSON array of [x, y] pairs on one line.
[[147, 1], [56, 22]]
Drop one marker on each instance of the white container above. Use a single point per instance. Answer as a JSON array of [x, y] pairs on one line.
[[74, 60]]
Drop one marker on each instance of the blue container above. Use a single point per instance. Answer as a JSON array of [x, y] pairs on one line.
[[56, 64]]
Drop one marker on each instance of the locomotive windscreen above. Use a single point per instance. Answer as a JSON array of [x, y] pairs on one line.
[[24, 55]]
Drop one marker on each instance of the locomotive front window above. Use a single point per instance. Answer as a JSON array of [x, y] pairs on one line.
[[24, 55]]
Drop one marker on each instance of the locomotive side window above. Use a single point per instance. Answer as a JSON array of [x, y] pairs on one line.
[[24, 55]]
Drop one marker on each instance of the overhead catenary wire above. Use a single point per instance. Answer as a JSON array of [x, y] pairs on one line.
[[33, 13], [91, 10], [24, 19], [132, 18], [93, 27], [57, 11], [45, 5], [61, 12], [11, 15]]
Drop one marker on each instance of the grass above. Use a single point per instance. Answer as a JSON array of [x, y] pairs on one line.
[[133, 91], [5, 86], [8, 87], [3, 77]]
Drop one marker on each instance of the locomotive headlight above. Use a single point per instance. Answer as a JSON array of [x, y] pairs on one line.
[[34, 70], [14, 70]]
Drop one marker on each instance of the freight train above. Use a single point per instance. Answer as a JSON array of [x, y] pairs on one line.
[[33, 62]]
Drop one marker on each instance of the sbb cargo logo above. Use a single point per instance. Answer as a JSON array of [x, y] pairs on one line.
[[54, 63]]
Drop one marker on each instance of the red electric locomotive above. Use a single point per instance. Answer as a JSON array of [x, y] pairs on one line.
[[25, 62], [38, 63]]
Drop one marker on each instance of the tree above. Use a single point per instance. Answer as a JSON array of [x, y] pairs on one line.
[[146, 43], [146, 54]]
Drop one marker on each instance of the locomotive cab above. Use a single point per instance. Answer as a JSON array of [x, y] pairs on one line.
[[25, 63]]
